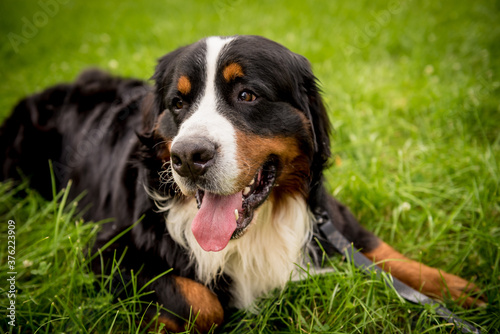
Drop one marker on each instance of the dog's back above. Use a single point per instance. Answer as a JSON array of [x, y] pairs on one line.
[[80, 127]]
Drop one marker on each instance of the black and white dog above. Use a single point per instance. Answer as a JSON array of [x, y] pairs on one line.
[[223, 158]]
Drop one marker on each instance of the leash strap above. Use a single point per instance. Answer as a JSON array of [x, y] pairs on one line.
[[343, 246]]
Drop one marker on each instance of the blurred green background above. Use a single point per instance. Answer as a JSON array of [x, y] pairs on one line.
[[412, 88]]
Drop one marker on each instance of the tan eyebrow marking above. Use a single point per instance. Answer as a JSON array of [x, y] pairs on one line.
[[184, 85], [232, 71]]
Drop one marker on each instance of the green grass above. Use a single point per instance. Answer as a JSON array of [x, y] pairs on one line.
[[414, 96]]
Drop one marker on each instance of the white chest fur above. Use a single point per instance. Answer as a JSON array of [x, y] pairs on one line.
[[261, 260]]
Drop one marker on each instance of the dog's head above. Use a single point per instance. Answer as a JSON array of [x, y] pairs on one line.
[[241, 121]]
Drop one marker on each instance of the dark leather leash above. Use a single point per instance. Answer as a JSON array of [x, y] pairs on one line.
[[343, 246]]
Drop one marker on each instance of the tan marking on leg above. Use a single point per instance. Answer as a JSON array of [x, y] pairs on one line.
[[205, 305], [232, 71], [184, 85], [430, 281]]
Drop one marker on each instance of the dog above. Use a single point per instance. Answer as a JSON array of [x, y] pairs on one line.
[[216, 172]]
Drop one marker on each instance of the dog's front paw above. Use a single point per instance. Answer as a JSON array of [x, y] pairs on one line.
[[460, 290]]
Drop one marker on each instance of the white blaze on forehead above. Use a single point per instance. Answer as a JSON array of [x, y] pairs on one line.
[[206, 121]]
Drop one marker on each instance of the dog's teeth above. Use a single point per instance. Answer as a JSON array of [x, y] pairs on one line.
[[246, 191], [251, 182], [236, 215]]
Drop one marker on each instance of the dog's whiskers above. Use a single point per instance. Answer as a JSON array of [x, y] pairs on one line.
[[161, 142]]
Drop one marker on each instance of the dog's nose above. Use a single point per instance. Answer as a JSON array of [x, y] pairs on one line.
[[191, 157]]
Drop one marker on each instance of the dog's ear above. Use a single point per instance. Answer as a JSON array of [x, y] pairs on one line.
[[320, 122], [164, 73], [313, 106], [321, 125], [154, 103]]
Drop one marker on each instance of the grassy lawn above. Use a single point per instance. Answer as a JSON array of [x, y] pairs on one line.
[[413, 91]]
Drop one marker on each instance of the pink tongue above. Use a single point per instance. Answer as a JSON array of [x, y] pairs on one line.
[[215, 222]]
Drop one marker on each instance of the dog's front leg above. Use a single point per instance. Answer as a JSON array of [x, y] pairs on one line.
[[188, 302], [430, 281]]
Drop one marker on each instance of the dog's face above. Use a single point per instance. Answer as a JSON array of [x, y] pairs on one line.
[[241, 122]]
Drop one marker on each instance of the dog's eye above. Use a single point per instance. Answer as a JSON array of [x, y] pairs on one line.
[[177, 103], [247, 96]]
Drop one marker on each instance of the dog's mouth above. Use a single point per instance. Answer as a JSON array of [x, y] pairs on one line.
[[224, 217]]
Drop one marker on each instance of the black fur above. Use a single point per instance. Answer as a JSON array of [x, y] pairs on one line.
[[100, 133]]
